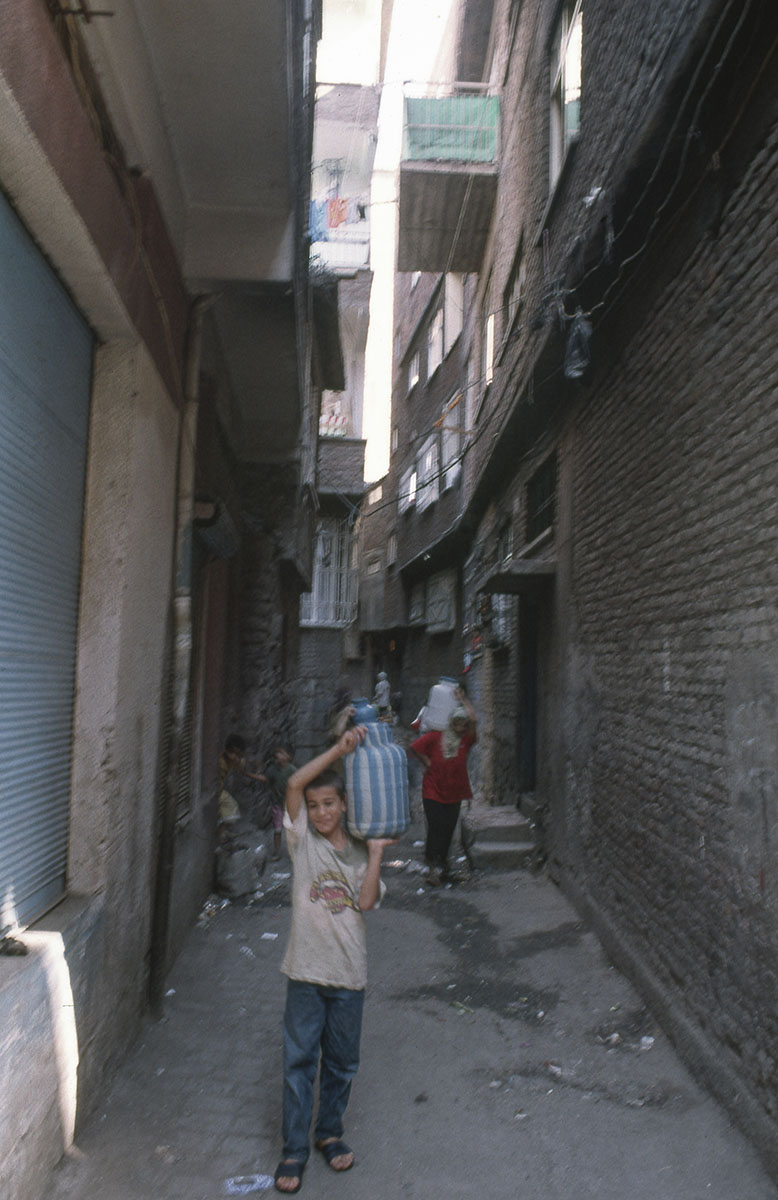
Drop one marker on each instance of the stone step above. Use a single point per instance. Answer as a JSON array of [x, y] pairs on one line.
[[518, 830], [502, 855], [500, 822]]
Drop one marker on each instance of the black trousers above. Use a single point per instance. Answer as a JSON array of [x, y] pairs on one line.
[[441, 823]]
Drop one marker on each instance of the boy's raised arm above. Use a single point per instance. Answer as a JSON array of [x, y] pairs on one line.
[[371, 884], [304, 775]]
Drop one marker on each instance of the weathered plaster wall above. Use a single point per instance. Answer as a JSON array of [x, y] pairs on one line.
[[270, 597], [128, 547], [92, 949]]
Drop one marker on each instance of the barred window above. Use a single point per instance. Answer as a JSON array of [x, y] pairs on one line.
[[333, 598]]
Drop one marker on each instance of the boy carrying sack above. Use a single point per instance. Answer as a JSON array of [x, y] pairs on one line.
[[335, 880]]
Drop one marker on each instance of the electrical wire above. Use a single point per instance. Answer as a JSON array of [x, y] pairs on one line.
[[660, 159], [690, 134]]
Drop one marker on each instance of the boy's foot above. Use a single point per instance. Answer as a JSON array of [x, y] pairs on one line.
[[433, 878], [337, 1153], [289, 1176]]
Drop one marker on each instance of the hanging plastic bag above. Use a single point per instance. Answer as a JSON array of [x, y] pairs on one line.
[[577, 353]]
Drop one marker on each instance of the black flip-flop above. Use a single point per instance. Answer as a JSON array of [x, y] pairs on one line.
[[337, 1149], [283, 1171]]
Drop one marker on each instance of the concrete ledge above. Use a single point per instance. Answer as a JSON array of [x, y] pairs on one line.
[[502, 855], [44, 1016], [698, 1053]]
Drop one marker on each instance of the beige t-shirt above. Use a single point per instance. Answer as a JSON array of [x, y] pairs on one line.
[[327, 942]]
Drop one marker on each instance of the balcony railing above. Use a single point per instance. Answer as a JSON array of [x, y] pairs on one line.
[[461, 126], [342, 255], [448, 176]]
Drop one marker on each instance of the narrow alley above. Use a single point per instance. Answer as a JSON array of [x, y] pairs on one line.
[[502, 1055], [355, 353]]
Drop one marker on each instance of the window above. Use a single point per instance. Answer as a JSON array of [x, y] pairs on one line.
[[440, 616], [487, 351], [502, 611], [514, 292], [395, 438], [472, 394], [375, 494], [333, 598], [407, 493], [429, 482], [505, 542], [435, 343], [541, 499], [417, 605], [413, 371], [450, 440], [391, 549], [453, 309], [565, 87]]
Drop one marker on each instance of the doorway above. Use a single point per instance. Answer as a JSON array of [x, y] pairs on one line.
[[529, 621]]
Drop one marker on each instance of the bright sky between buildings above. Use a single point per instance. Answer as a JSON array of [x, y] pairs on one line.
[[349, 53]]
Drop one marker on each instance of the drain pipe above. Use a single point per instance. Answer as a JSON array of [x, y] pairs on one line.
[[179, 655]]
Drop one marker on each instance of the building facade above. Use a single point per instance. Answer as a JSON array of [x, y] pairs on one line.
[[162, 358], [605, 192]]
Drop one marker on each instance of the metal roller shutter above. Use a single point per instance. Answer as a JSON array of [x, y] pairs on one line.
[[45, 379]]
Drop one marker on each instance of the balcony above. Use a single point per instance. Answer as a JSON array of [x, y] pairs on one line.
[[448, 178]]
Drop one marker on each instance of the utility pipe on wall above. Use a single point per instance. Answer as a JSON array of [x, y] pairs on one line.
[[180, 661]]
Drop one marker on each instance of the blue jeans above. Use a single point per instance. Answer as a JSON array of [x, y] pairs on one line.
[[319, 1022]]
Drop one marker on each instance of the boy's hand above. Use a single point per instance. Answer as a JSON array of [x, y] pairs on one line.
[[349, 740], [375, 846]]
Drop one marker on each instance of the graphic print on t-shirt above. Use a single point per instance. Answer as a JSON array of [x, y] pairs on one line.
[[333, 889]]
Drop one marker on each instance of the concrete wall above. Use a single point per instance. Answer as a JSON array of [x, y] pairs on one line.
[[69, 1009], [48, 1005], [87, 967]]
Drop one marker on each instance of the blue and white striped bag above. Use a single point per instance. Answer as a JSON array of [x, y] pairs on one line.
[[377, 786]]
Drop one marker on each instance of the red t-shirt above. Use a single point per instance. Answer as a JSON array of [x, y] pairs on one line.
[[446, 779]]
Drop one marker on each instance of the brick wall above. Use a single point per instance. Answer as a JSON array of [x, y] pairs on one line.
[[674, 488], [656, 746]]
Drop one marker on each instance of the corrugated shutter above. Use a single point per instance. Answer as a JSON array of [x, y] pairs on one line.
[[45, 377]]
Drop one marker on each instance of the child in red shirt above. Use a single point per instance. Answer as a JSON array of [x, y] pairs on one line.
[[443, 754]]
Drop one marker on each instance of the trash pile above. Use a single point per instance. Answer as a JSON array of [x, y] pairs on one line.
[[239, 867]]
